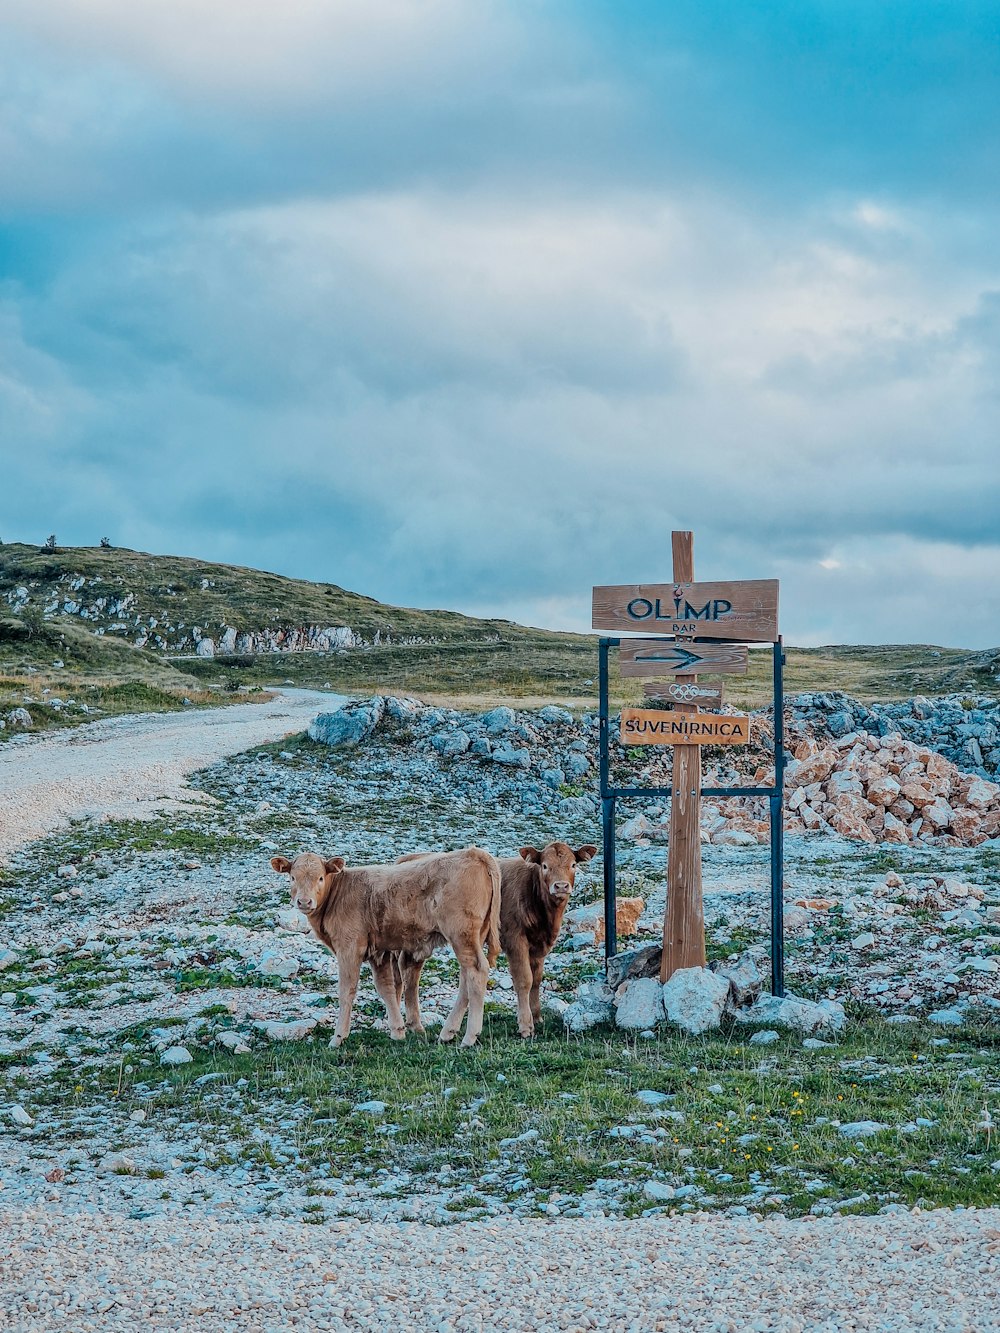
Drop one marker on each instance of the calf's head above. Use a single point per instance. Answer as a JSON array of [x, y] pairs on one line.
[[557, 863], [311, 878]]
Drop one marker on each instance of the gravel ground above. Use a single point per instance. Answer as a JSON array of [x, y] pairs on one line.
[[129, 767], [936, 1271]]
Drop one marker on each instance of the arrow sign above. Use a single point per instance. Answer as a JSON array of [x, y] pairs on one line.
[[660, 657]]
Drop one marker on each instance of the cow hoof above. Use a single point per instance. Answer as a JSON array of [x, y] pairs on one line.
[[397, 1034], [447, 1036], [526, 1033], [468, 1041], [417, 1029], [338, 1041]]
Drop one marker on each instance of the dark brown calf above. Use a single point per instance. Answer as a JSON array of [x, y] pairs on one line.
[[534, 893]]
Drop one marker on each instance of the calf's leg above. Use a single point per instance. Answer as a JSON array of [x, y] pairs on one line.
[[520, 971], [348, 972], [477, 974], [537, 968], [411, 970], [385, 984], [454, 1020]]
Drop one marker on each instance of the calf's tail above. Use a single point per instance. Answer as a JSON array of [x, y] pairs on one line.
[[493, 932]]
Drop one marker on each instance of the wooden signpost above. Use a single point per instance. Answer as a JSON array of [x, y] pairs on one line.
[[705, 627], [658, 657]]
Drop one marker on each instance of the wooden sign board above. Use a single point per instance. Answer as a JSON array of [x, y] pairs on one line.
[[745, 610], [657, 657], [682, 692], [647, 726]]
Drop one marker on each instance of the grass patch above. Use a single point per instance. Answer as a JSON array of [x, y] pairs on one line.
[[741, 1125]]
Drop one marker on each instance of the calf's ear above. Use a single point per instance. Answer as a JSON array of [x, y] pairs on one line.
[[530, 854], [334, 865], [586, 852], [281, 863]]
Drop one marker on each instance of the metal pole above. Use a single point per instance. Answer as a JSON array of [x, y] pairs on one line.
[[777, 820], [610, 890], [607, 815]]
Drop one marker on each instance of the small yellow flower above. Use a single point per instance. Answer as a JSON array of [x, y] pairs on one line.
[[796, 1094], [795, 1147]]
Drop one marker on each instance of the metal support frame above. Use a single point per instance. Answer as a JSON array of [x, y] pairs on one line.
[[774, 796]]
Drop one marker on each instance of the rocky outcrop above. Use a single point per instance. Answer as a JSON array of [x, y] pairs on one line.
[[964, 728], [864, 787]]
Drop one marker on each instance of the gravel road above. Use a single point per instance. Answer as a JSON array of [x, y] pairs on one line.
[[134, 766], [935, 1271]]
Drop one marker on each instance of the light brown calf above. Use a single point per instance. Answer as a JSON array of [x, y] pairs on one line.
[[373, 912], [535, 891]]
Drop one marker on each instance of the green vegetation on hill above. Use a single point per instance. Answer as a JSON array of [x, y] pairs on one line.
[[181, 591], [133, 597]]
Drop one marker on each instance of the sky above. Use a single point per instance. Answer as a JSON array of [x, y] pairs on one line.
[[469, 304]]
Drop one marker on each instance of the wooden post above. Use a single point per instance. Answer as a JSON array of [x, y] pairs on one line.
[[684, 921]]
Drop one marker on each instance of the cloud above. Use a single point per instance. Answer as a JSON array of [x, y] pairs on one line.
[[470, 305]]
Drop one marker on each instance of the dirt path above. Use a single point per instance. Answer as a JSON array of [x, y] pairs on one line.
[[135, 766]]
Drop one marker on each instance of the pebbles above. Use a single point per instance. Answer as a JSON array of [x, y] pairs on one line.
[[923, 1271]]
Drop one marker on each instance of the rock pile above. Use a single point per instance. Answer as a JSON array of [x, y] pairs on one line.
[[888, 789], [694, 999], [964, 728]]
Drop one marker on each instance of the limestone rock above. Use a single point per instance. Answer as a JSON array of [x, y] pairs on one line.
[[348, 726], [694, 999], [790, 1011], [743, 978], [633, 964], [640, 1004], [176, 1055], [294, 1030], [591, 1006], [862, 1129]]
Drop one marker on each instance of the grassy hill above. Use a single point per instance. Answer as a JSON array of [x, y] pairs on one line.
[[163, 600], [114, 616]]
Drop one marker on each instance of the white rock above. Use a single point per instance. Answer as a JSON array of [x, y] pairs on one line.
[[636, 827], [288, 918], [650, 1098], [862, 1129], [766, 1037], [295, 1030], [947, 1017], [733, 837], [640, 1004], [273, 964], [176, 1055], [232, 1041], [8, 957], [695, 999], [379, 1108], [863, 941], [656, 1189], [791, 1011], [66, 872], [116, 1163], [19, 1115]]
